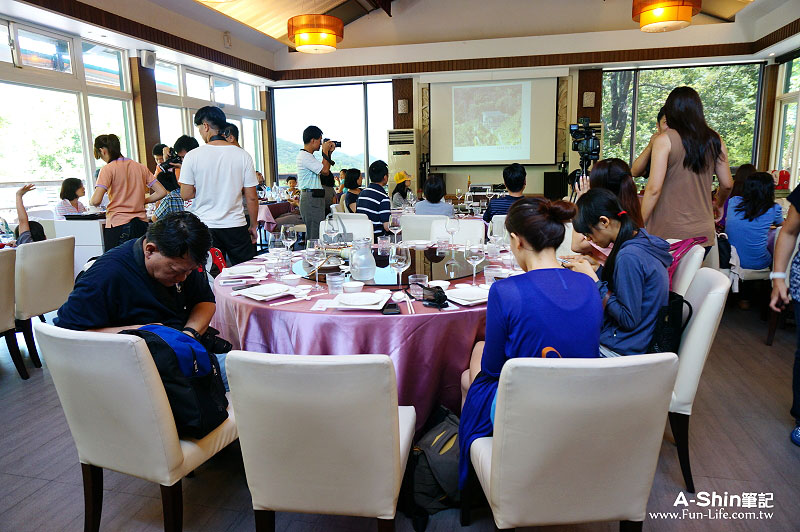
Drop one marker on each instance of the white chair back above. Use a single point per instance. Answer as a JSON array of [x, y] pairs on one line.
[[707, 294], [356, 223], [712, 259], [7, 259], [114, 401], [336, 208], [593, 427], [418, 226], [44, 276], [319, 434], [469, 229], [565, 249], [687, 268]]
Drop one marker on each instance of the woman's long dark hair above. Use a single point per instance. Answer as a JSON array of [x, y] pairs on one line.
[[615, 175], [742, 173], [758, 196], [702, 144], [599, 202], [401, 189]]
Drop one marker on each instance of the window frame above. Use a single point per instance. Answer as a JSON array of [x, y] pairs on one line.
[[781, 100]]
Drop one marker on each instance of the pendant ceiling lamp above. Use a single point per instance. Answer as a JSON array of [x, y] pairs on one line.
[[664, 15], [315, 34]]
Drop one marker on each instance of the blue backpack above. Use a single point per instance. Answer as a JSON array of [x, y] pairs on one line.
[[191, 377]]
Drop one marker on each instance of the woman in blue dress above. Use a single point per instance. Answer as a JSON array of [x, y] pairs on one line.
[[549, 312]]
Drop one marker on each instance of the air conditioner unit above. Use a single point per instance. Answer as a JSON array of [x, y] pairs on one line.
[[403, 144]]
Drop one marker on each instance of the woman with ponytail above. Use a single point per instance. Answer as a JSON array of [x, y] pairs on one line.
[[547, 312], [633, 283], [677, 199]]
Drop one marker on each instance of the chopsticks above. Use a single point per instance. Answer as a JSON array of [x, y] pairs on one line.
[[409, 305], [296, 299]]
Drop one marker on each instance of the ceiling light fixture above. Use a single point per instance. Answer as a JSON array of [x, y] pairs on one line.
[[664, 15], [315, 34]]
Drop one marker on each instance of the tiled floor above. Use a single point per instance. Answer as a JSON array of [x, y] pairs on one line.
[[739, 443]]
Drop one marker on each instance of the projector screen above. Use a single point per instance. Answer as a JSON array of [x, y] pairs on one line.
[[493, 122]]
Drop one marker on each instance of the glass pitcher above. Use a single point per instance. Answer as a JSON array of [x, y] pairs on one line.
[[362, 263]]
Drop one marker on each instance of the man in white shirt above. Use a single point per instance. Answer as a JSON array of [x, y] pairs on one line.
[[309, 168], [214, 176]]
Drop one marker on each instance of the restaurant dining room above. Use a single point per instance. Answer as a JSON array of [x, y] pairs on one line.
[[357, 265]]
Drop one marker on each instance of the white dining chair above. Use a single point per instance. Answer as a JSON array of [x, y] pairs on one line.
[[44, 277], [7, 323], [688, 266], [707, 294], [357, 223], [418, 226], [565, 248], [336, 208], [575, 440], [320, 434], [119, 416], [468, 230]]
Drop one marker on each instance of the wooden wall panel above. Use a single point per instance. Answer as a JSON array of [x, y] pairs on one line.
[[768, 93], [591, 80], [145, 111], [403, 89], [268, 139]]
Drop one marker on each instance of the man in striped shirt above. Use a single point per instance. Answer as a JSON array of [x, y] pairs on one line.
[[374, 201], [514, 179]]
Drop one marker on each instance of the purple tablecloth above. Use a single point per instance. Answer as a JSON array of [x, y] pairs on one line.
[[429, 349], [268, 213]]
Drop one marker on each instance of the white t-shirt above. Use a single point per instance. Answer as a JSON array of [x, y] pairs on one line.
[[218, 174], [308, 169]]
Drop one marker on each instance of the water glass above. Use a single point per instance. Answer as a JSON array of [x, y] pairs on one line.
[[413, 282], [283, 265], [442, 245], [384, 244], [335, 282], [492, 251], [491, 273]]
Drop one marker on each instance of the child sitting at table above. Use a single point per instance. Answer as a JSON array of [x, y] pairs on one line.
[[26, 230], [633, 283], [548, 312]]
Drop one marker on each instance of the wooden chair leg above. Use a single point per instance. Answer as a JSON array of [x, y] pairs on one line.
[[26, 328], [679, 423], [265, 520], [92, 497], [16, 356], [630, 526], [385, 525], [773, 326], [172, 502]]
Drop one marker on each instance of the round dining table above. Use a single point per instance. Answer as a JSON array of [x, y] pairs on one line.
[[430, 348]]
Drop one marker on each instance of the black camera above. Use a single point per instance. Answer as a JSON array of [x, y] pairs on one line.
[[213, 343], [585, 139], [166, 166], [336, 143]]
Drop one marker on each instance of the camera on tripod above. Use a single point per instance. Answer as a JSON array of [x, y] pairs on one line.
[[585, 139]]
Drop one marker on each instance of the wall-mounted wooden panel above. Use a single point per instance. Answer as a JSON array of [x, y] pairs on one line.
[[403, 89], [768, 91], [590, 81], [145, 111]]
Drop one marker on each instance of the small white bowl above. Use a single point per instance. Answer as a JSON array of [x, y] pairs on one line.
[[291, 279], [444, 285], [351, 287]]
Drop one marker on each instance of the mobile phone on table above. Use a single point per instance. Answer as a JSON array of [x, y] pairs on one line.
[[251, 285], [391, 308]]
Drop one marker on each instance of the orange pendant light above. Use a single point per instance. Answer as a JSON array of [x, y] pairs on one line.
[[315, 34], [664, 15]]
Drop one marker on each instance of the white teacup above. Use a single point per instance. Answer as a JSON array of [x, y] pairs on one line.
[[352, 286]]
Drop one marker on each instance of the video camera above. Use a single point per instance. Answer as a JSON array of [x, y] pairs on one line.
[[336, 143], [166, 166], [585, 141]]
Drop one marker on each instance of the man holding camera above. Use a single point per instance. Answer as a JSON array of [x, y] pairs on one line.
[[214, 176], [168, 172], [310, 172]]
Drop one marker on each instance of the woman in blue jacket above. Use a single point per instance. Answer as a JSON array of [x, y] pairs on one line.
[[634, 283]]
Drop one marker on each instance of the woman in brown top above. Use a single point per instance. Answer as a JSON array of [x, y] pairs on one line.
[[677, 199]]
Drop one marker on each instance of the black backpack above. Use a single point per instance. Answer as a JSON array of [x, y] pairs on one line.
[[191, 377], [670, 325]]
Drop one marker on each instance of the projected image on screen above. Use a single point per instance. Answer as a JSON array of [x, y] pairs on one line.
[[491, 121]]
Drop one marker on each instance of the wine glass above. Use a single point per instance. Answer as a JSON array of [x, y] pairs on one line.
[[315, 256], [474, 254], [394, 224], [289, 236], [275, 242], [400, 261], [459, 195], [452, 226], [331, 228]]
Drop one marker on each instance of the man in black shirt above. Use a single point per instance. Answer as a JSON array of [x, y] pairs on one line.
[[153, 279], [514, 178]]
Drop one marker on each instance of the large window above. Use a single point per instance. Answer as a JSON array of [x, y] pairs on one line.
[[339, 111], [729, 94], [786, 148], [103, 66], [43, 51], [109, 116], [170, 124]]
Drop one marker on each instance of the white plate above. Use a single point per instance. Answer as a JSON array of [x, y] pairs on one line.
[[378, 305], [267, 290], [417, 244], [243, 269], [466, 303], [360, 299], [468, 294]]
